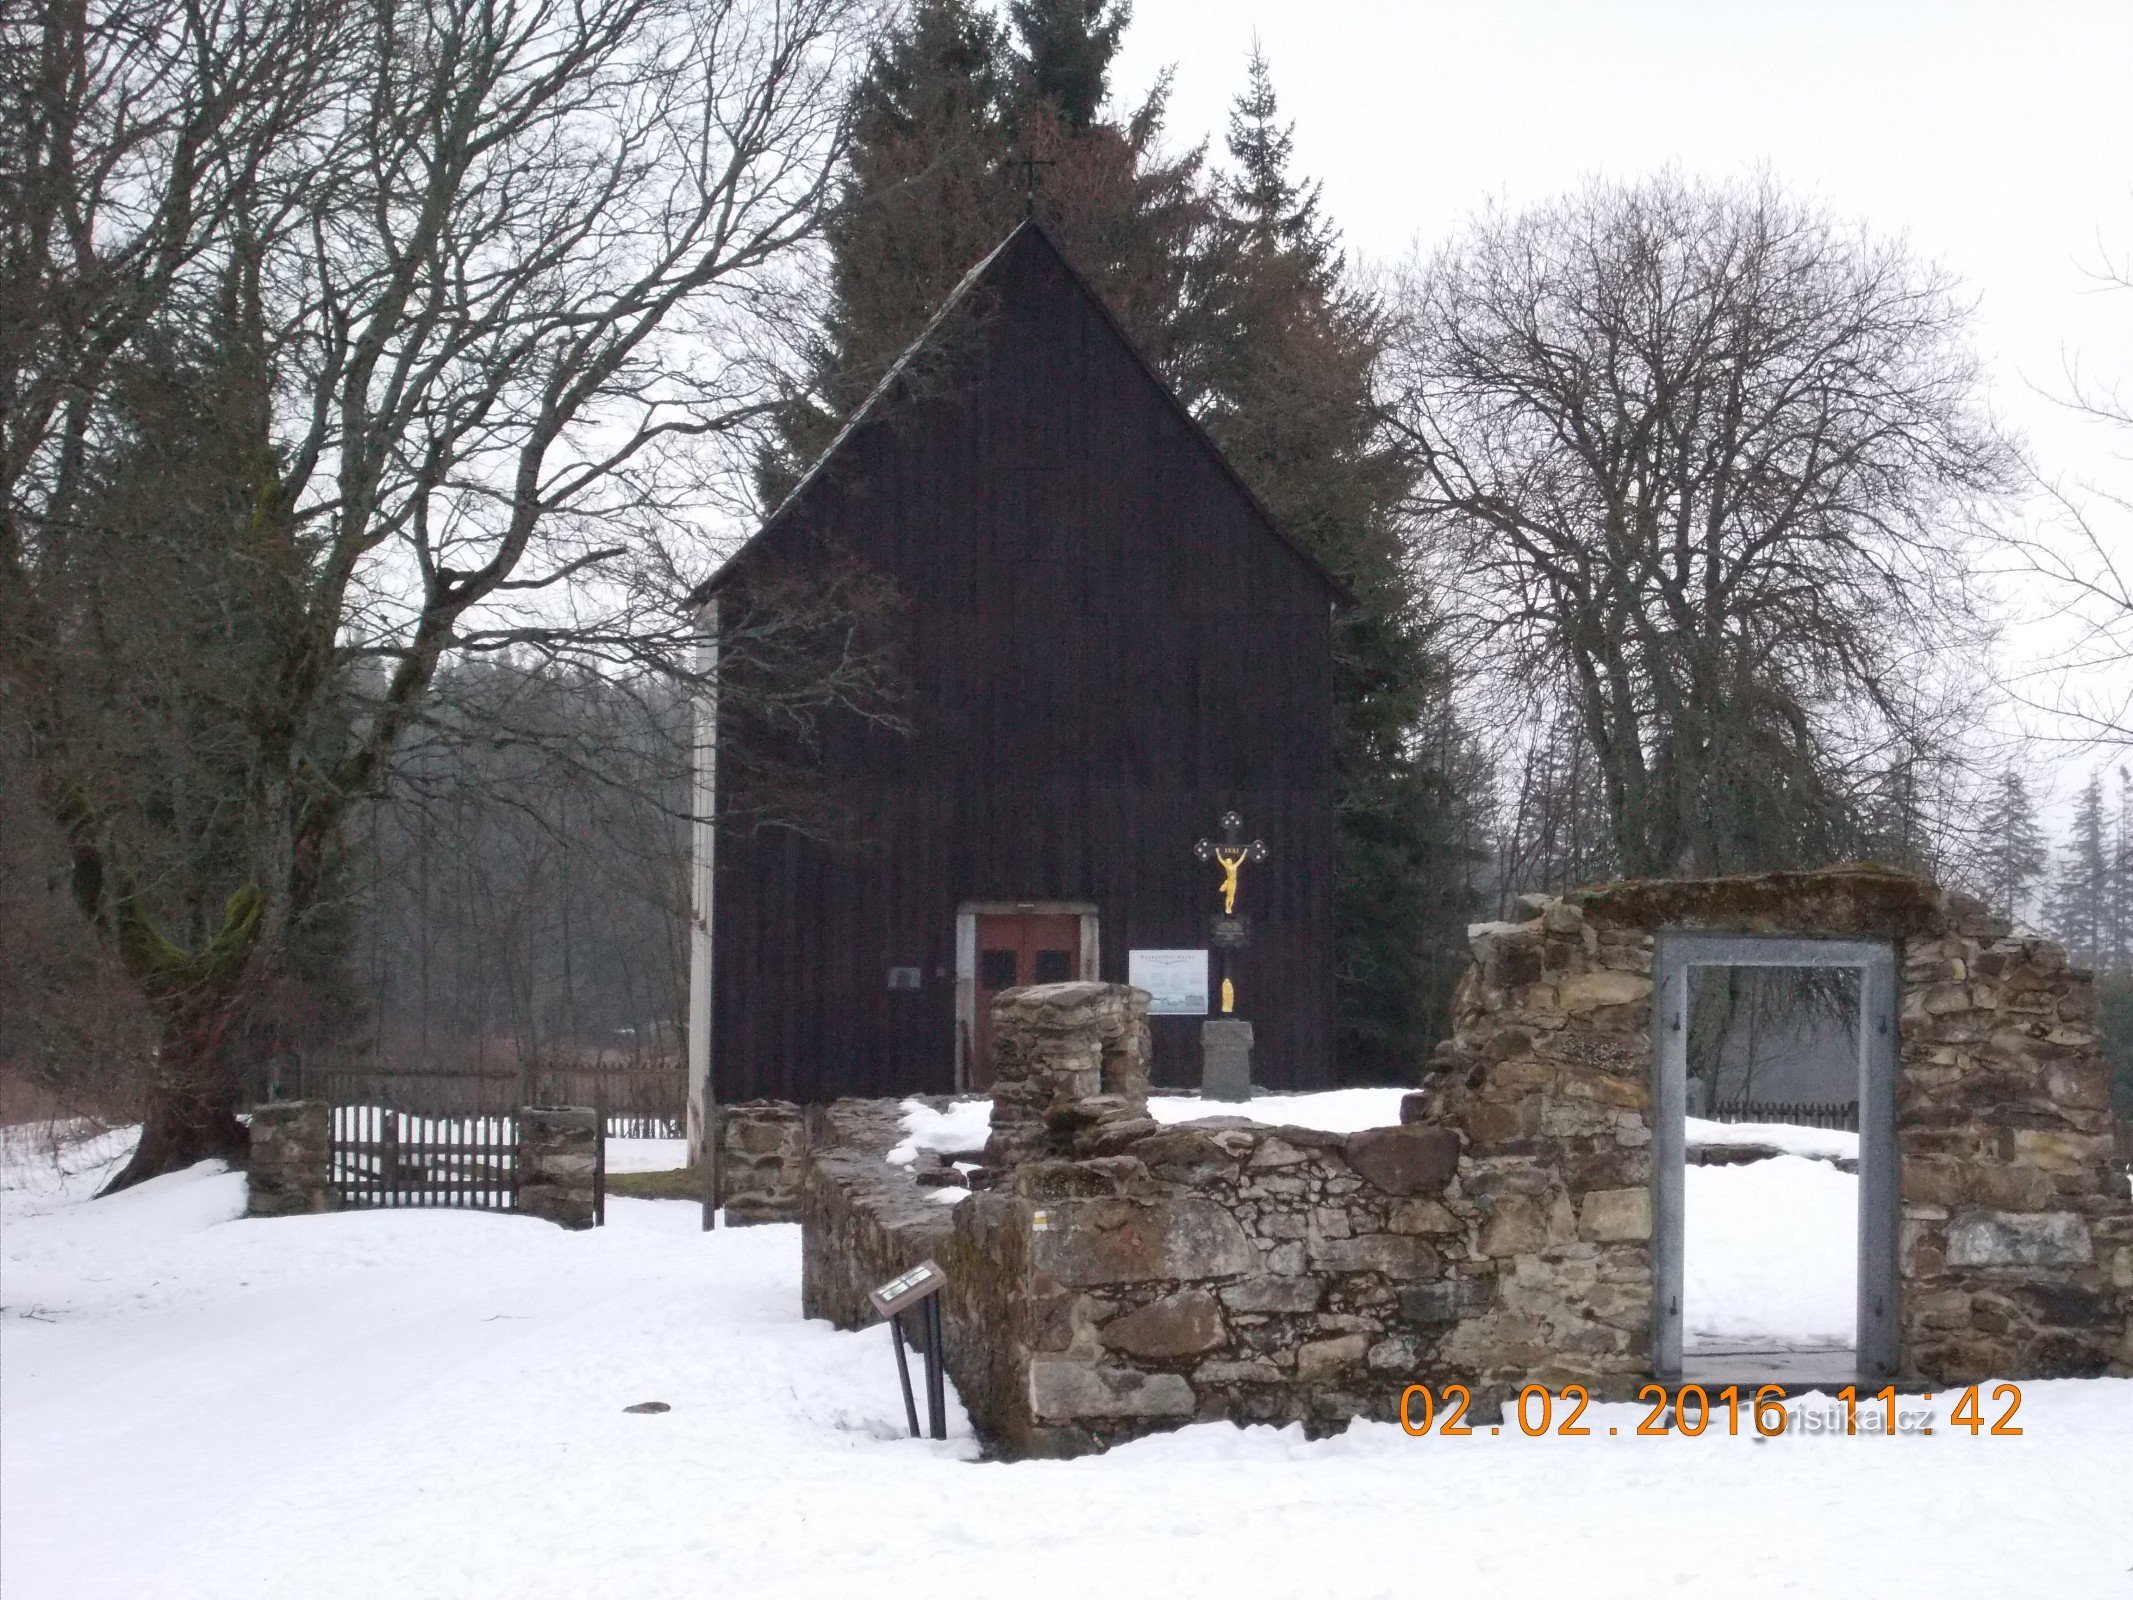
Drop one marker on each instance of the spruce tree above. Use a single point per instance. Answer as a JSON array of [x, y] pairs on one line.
[[2076, 910], [949, 105], [2012, 855], [1289, 398], [2116, 954], [1067, 46]]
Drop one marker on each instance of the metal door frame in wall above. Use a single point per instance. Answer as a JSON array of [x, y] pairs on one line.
[[966, 961], [1677, 952]]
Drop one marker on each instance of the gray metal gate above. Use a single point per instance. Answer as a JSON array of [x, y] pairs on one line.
[[1679, 952]]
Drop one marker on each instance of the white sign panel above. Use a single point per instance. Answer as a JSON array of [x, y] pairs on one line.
[[1176, 980]]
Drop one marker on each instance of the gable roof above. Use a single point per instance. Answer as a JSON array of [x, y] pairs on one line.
[[1030, 232]]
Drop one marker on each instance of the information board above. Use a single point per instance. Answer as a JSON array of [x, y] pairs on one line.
[[1176, 980]]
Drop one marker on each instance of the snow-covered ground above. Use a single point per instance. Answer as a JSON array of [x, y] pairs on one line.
[[647, 1155], [430, 1404], [1770, 1255]]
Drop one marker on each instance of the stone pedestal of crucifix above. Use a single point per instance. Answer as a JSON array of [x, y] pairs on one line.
[[1226, 1039], [1225, 1059]]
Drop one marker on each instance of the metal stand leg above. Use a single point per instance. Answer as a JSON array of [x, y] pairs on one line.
[[903, 1374], [936, 1379]]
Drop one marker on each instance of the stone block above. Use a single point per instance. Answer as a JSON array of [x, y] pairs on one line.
[[1398, 1353], [1394, 1254], [2121, 1268], [1053, 1178], [1257, 1370], [1187, 1323], [1616, 1215], [1061, 1390], [1514, 1225], [1485, 1179], [1563, 918], [1945, 1308], [2016, 1239], [1935, 1180], [1330, 1222], [1450, 1300], [1620, 1091], [1274, 1294], [1275, 1152], [1322, 1357], [1286, 1260], [2061, 1152], [1588, 991], [1404, 1160], [1614, 1166], [1422, 1216], [569, 1166], [1184, 1155], [2000, 1187], [1121, 1241], [1514, 1080], [1490, 1124], [2060, 1304]]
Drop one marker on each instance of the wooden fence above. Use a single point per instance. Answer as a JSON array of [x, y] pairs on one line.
[[1841, 1114]]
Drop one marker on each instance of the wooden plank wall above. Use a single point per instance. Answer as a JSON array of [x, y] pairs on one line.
[[1109, 648]]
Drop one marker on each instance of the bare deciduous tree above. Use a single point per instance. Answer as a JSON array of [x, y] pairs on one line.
[[1704, 464], [485, 280], [2084, 557]]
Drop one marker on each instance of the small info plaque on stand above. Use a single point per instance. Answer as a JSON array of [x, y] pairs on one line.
[[918, 1292]]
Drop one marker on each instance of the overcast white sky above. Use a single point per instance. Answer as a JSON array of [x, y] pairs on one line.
[[1996, 137]]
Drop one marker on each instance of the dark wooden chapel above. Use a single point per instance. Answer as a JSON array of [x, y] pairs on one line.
[[1109, 644]]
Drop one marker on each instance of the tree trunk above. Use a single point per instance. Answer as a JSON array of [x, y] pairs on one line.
[[190, 1113], [191, 1105]]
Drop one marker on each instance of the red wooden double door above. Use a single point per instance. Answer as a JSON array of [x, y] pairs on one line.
[[1016, 949]]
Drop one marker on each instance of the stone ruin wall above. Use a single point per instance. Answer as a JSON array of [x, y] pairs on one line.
[[2016, 1252], [862, 1221], [1111, 1277], [1121, 1277]]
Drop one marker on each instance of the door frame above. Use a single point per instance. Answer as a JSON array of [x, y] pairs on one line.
[[1878, 1335], [966, 961]]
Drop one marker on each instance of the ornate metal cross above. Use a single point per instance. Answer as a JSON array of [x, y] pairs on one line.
[[1230, 855]]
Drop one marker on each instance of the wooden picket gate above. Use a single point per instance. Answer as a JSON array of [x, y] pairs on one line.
[[635, 1102], [387, 1157]]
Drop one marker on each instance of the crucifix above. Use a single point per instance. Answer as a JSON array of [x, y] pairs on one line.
[[1229, 931], [1029, 165]]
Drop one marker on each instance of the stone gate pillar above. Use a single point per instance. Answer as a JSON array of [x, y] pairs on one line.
[[291, 1167], [558, 1160]]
